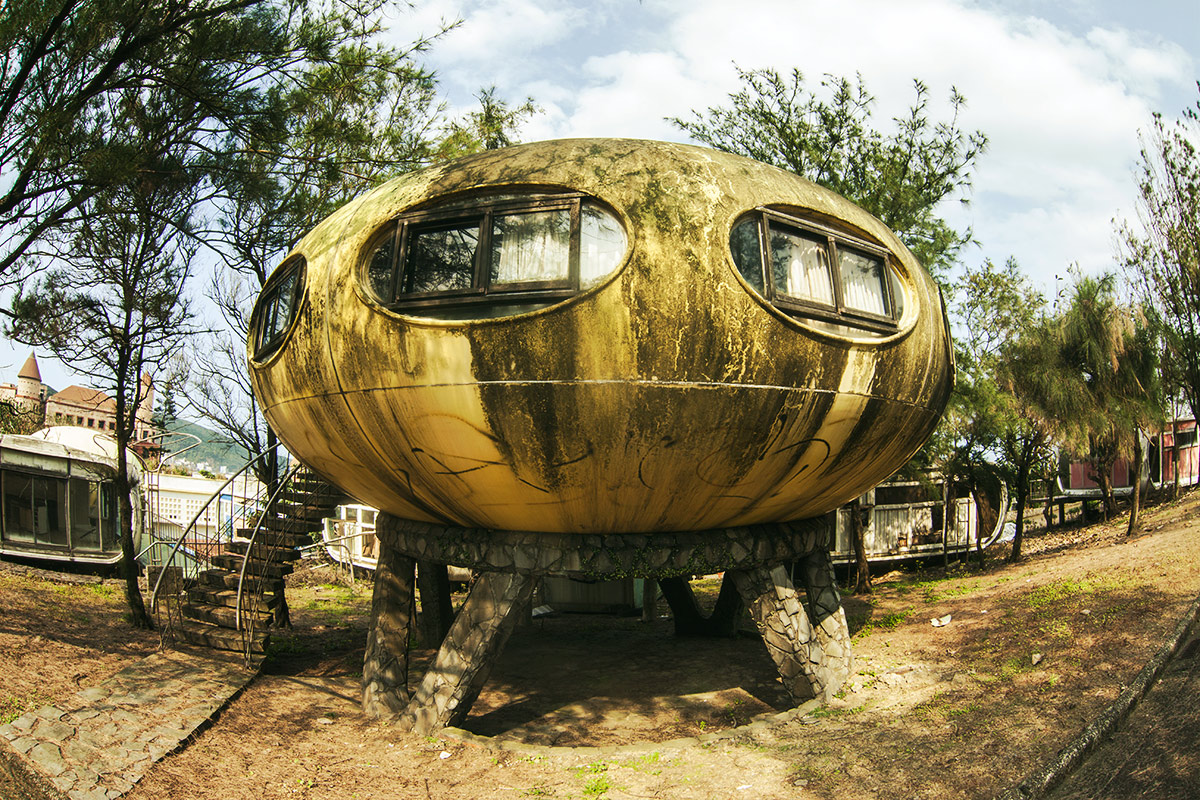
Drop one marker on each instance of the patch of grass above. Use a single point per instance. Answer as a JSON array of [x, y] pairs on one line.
[[887, 622], [1058, 629], [828, 712], [596, 783], [102, 590], [936, 589], [597, 786], [14, 706], [1072, 589], [648, 764], [970, 708], [1015, 665]]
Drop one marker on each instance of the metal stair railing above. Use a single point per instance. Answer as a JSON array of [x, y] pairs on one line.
[[246, 624], [256, 571], [200, 546]]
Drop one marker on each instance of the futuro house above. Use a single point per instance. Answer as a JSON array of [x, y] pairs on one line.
[[599, 335]]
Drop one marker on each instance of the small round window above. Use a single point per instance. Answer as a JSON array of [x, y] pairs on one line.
[[277, 308], [493, 257], [825, 277]]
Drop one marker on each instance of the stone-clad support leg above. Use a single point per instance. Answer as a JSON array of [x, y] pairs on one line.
[[385, 664], [827, 616], [437, 610], [476, 637], [788, 633]]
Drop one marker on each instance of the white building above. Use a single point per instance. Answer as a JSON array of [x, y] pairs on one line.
[[180, 497]]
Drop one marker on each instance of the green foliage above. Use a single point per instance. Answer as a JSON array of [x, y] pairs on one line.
[[18, 417], [1162, 259], [13, 706], [349, 112], [75, 75], [888, 622], [596, 782], [900, 177], [1087, 376], [493, 126]]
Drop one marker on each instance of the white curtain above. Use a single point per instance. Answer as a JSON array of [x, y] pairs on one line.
[[531, 247], [862, 282], [801, 267]]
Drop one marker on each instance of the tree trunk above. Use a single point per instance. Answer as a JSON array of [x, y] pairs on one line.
[[1109, 504], [947, 515], [129, 564], [1022, 497], [1135, 496], [862, 567], [975, 495], [1175, 455]]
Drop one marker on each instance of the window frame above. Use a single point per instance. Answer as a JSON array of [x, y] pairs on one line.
[[482, 292], [807, 308], [265, 347]]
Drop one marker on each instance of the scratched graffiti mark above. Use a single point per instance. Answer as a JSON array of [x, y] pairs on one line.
[[666, 443]]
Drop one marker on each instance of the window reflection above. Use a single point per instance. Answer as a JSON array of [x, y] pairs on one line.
[[49, 511], [85, 514], [747, 252], [531, 247], [18, 507], [441, 260], [379, 270], [602, 243], [277, 307]]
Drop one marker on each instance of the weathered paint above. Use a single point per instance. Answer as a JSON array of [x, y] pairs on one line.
[[669, 397]]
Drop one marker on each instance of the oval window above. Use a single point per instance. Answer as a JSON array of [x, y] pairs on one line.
[[277, 308], [495, 257], [825, 277]]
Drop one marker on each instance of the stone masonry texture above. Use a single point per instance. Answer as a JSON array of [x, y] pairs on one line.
[[99, 743]]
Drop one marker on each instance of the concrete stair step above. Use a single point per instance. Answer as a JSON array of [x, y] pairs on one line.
[[233, 563], [304, 511], [218, 578], [205, 635], [277, 538], [291, 525], [263, 551], [227, 598], [321, 494], [224, 617]]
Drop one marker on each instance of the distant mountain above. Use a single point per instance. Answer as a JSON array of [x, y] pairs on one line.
[[214, 449]]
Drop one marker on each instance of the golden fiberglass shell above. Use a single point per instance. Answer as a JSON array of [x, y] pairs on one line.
[[669, 394]]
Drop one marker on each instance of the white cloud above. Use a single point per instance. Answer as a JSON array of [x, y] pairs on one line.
[[1060, 106]]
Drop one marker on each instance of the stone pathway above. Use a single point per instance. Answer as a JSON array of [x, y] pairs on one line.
[[104, 739]]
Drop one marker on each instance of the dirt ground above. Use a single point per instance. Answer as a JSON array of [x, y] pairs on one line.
[[1031, 652]]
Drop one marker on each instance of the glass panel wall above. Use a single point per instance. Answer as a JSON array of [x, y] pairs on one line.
[[85, 515], [18, 506], [49, 511]]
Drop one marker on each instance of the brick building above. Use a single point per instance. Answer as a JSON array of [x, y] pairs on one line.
[[77, 405]]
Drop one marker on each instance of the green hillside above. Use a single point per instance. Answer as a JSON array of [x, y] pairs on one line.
[[213, 448]]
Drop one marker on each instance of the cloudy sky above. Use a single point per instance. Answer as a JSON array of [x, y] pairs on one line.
[[1060, 88]]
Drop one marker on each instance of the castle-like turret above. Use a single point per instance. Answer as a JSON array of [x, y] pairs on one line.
[[30, 388]]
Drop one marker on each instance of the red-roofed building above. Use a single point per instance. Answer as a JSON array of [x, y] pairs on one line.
[[78, 405]]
